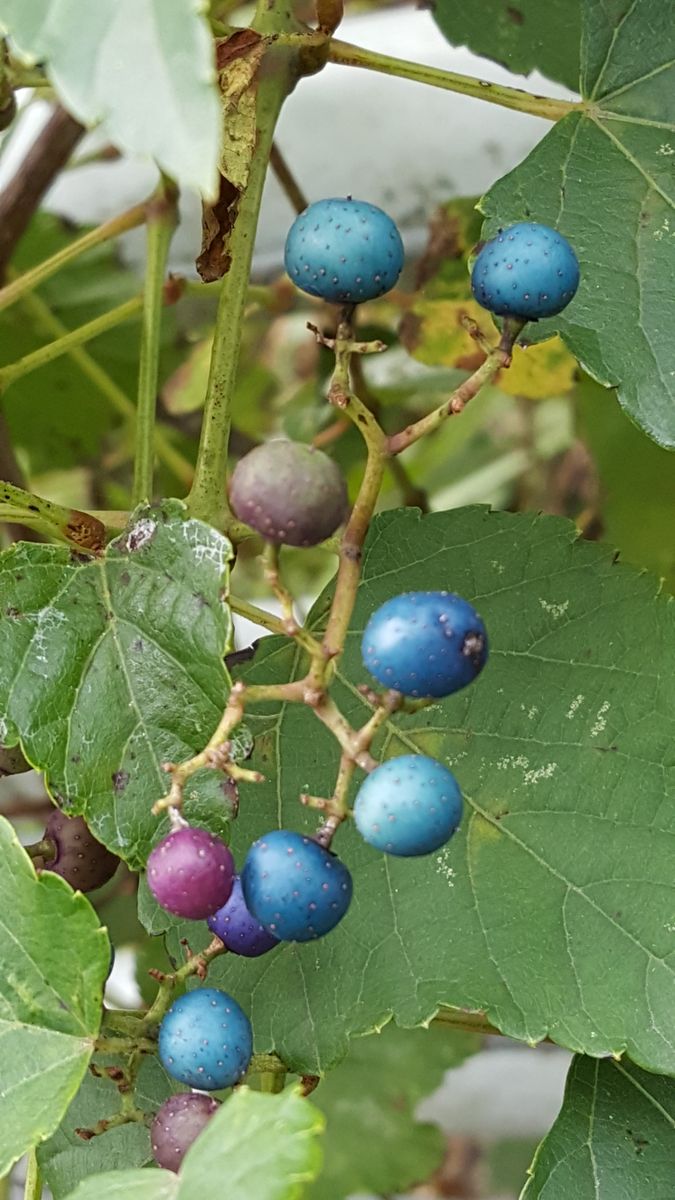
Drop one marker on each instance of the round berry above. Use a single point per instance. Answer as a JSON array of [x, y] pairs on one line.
[[205, 1040], [289, 492], [344, 250], [190, 873], [82, 861], [238, 930], [177, 1125], [527, 270], [296, 889], [408, 805], [425, 644]]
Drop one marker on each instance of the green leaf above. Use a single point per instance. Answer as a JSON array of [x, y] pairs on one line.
[[66, 1159], [551, 908], [522, 34], [54, 958], [604, 176], [144, 67], [614, 1137], [262, 1146], [111, 666], [373, 1142], [636, 493]]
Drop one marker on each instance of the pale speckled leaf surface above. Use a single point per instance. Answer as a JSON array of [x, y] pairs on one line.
[[111, 666], [613, 1140], [552, 907], [605, 176], [54, 958], [144, 67]]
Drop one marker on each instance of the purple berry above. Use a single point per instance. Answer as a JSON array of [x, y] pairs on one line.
[[297, 889], [238, 929], [205, 1040], [177, 1125], [82, 861], [190, 873], [289, 492]]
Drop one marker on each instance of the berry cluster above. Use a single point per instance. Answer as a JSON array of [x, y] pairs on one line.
[[418, 645]]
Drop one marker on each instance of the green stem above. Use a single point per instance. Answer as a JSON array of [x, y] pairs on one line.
[[161, 222], [480, 89], [75, 337], [68, 524], [33, 1185], [103, 233], [117, 399], [208, 497]]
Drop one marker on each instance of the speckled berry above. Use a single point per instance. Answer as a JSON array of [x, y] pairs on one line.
[[82, 861], [344, 251], [289, 492], [425, 644], [238, 929], [177, 1125], [408, 806], [527, 270], [190, 873], [205, 1040], [297, 890]]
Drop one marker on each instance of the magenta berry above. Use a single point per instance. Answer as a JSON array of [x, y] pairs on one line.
[[82, 861], [289, 492], [177, 1125], [238, 929], [190, 873]]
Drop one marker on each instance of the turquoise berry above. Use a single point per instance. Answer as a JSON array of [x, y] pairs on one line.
[[527, 270], [408, 806], [425, 644], [205, 1040], [344, 251], [296, 889]]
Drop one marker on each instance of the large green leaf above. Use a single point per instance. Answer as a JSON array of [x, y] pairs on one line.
[[144, 67], [66, 1159], [373, 1142], [111, 666], [614, 1138], [54, 958], [604, 175], [520, 34], [256, 1146], [552, 906]]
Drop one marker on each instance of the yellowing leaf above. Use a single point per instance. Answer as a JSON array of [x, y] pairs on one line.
[[539, 372], [433, 333]]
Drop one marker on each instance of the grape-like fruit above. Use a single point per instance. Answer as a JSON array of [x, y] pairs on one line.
[[82, 861], [238, 929], [190, 873], [425, 644], [527, 270], [296, 889], [344, 251], [177, 1125], [408, 805], [205, 1040], [289, 492]]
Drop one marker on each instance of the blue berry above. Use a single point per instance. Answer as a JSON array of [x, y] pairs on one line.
[[408, 805], [205, 1040], [344, 250], [238, 930], [296, 889], [527, 270], [425, 644]]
